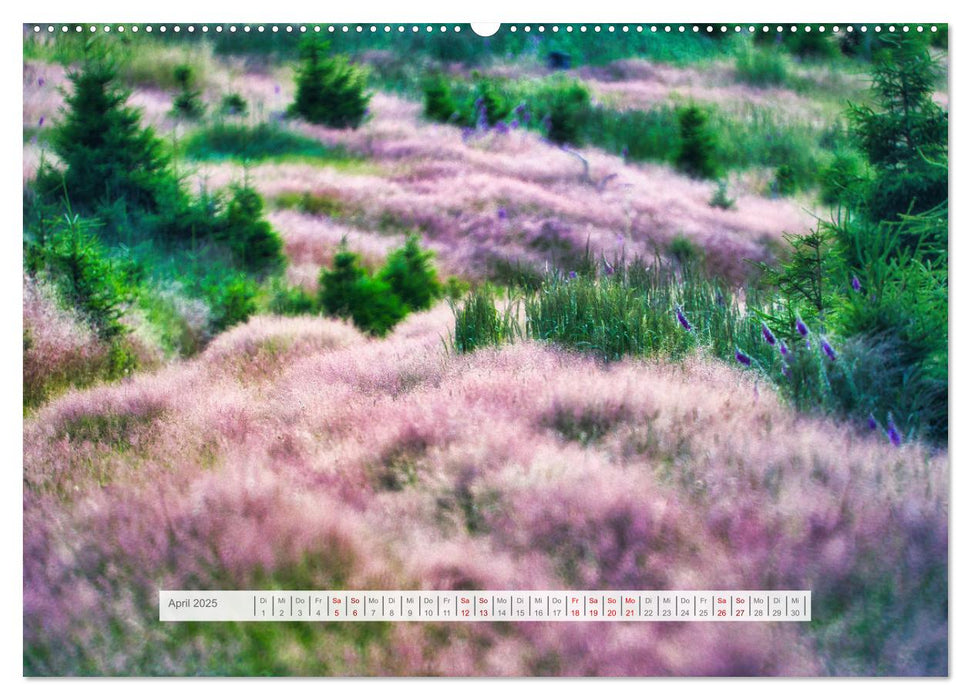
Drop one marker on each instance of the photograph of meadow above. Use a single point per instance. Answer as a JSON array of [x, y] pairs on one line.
[[408, 308]]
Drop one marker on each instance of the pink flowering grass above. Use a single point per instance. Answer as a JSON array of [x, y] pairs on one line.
[[425, 176], [297, 453], [552, 209], [60, 349]]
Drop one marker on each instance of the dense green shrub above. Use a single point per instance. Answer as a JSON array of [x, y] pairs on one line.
[[491, 104], [904, 136], [187, 103], [697, 152], [566, 104], [231, 298], [411, 276], [330, 90], [233, 104], [842, 179], [889, 313], [63, 251], [439, 104], [256, 247], [348, 291], [107, 156]]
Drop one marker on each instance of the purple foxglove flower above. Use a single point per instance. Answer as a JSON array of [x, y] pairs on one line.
[[767, 334], [871, 422], [743, 358], [573, 274], [827, 348], [40, 122], [624, 153], [40, 82], [483, 121], [502, 213], [783, 350], [522, 113], [855, 283], [892, 434], [502, 128], [514, 124], [801, 327], [478, 103], [786, 372], [466, 133], [682, 320]]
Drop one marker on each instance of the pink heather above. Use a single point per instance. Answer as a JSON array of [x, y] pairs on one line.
[[300, 440]]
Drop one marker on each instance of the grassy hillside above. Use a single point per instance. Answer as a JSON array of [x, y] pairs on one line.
[[298, 454], [450, 313]]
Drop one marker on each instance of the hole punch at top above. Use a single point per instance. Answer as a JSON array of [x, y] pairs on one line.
[[485, 28]]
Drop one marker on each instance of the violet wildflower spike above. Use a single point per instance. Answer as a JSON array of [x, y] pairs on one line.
[[801, 327], [40, 122], [573, 274], [855, 283], [767, 334], [827, 348], [743, 358], [783, 350], [482, 124], [892, 434], [502, 213], [682, 320], [871, 422]]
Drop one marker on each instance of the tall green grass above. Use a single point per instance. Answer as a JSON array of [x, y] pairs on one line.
[[232, 140], [752, 137], [671, 311]]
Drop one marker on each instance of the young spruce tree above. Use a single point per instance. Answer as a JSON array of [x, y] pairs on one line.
[[330, 90], [107, 155], [905, 135]]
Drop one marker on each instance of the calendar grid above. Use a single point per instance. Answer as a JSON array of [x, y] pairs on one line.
[[485, 606]]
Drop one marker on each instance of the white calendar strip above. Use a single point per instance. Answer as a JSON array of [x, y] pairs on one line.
[[485, 606]]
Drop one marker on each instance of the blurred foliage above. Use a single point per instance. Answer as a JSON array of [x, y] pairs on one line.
[[330, 89]]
